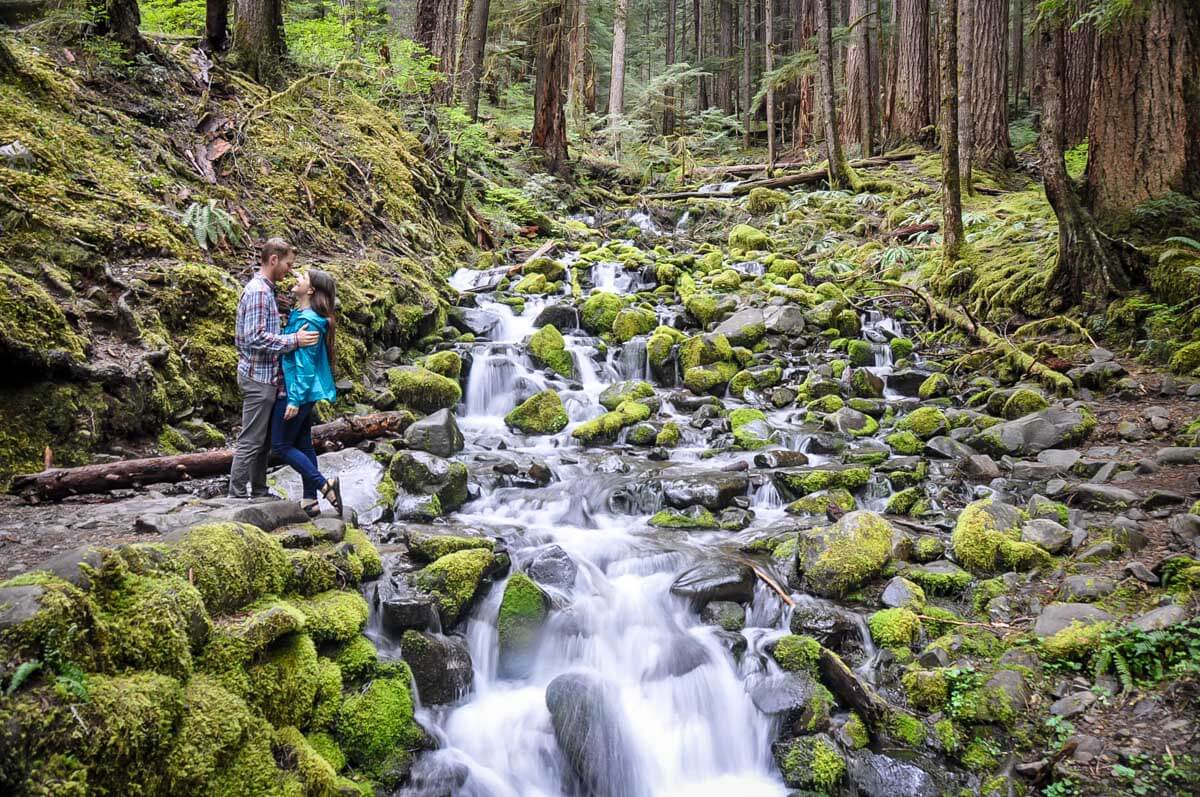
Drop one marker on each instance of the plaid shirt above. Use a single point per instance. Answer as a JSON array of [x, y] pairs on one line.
[[259, 342]]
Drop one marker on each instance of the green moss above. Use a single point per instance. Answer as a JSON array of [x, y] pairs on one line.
[[632, 322], [356, 659], [231, 564], [314, 773], [927, 690], [928, 548], [431, 547], [1186, 360], [947, 735], [154, 623], [837, 560], [859, 353], [748, 239], [894, 628], [978, 756], [901, 348], [935, 385], [817, 478], [607, 426], [763, 378], [1076, 642], [906, 728], [454, 579], [422, 389], [671, 519], [375, 726], [548, 350], [364, 549], [982, 547], [765, 200], [446, 363], [523, 609], [906, 502], [283, 683], [924, 422], [797, 653], [1023, 402], [1041, 507], [937, 582], [535, 284], [173, 441], [658, 347], [819, 502], [709, 379], [744, 435], [541, 414], [66, 624], [826, 404], [632, 390], [599, 312], [324, 745], [704, 350], [811, 762], [669, 436], [332, 616]]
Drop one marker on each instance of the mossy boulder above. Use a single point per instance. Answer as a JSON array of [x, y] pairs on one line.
[[924, 422], [669, 435], [750, 428], [431, 547], [282, 683], [455, 579], [987, 539], [314, 773], [631, 322], [709, 379], [333, 616], [796, 653], [153, 623], [548, 267], [935, 386], [1022, 402], [376, 729], [548, 349], [896, 628], [40, 613], [543, 413], [704, 350], [811, 763], [818, 503], [838, 559], [231, 564], [606, 428], [748, 239], [765, 200], [445, 363], [905, 443], [800, 482], [614, 396], [422, 389], [523, 610], [693, 517], [1186, 360], [599, 312], [901, 348], [703, 307]]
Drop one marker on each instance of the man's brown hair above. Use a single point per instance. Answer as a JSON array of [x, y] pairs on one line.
[[275, 246]]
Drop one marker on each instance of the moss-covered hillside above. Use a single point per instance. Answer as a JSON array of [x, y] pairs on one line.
[[115, 320]]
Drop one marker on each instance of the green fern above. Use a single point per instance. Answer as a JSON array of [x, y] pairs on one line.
[[22, 674], [211, 225]]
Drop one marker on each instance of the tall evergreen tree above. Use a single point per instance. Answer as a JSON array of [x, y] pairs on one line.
[[549, 100]]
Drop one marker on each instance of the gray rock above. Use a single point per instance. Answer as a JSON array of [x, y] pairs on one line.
[[402, 607], [1049, 428], [714, 490], [1104, 497], [825, 621], [1141, 572], [780, 458], [743, 328], [1057, 616], [1173, 455], [441, 666], [783, 320], [436, 434], [1160, 618], [787, 697], [907, 382], [553, 567], [863, 383], [716, 581], [1062, 458], [979, 467], [421, 475], [1086, 588], [563, 317], [876, 775], [589, 727], [948, 448], [75, 566], [1012, 684], [725, 614], [901, 592], [847, 421], [479, 322], [1072, 705], [20, 604], [1046, 534]]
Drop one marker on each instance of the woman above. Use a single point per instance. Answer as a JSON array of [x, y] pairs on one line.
[[307, 379]]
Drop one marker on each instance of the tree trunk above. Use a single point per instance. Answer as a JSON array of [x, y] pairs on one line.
[[581, 84], [964, 75], [1138, 136], [1017, 51], [805, 29], [874, 56], [472, 57], [855, 114], [952, 226], [910, 115], [839, 172], [10, 68], [119, 20], [1087, 266], [747, 93], [669, 95], [435, 28], [698, 42], [216, 25], [616, 83], [725, 74], [769, 54], [549, 116], [258, 43], [1077, 83], [989, 85], [58, 483]]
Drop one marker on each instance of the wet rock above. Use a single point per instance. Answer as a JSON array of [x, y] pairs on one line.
[[1011, 684], [589, 728], [480, 323], [1160, 618], [838, 559], [422, 478], [716, 581], [559, 316], [789, 698], [441, 665], [1086, 588], [1104, 497], [402, 606], [523, 611], [902, 592], [783, 320], [979, 467], [1046, 534], [780, 458], [713, 490], [743, 328], [436, 434], [811, 763], [724, 614], [553, 567], [1051, 428], [877, 775], [948, 448], [615, 395], [75, 566], [1057, 616], [863, 383], [907, 382], [825, 621], [851, 422]]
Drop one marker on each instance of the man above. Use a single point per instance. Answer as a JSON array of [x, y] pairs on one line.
[[260, 345]]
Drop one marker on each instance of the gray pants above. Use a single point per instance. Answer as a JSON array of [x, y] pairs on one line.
[[253, 447]]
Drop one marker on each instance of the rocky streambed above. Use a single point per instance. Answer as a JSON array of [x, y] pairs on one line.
[[704, 522]]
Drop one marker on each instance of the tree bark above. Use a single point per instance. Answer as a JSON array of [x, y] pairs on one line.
[[435, 28], [952, 226], [805, 26], [910, 114], [58, 483], [472, 57], [549, 115], [874, 56], [965, 78], [1077, 82], [725, 74], [747, 94], [258, 42], [855, 114], [10, 68], [119, 20], [989, 85], [1017, 51], [1087, 266], [698, 42], [581, 84], [839, 172], [769, 54], [669, 95], [216, 25], [616, 83]]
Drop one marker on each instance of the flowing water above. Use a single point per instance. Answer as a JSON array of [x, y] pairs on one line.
[[679, 716]]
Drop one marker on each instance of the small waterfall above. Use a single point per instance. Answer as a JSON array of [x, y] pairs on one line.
[[767, 496], [629, 360], [500, 378]]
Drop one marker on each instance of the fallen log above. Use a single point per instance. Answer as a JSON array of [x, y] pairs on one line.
[[746, 168], [849, 689], [911, 230], [542, 251], [1027, 363], [55, 484], [811, 177]]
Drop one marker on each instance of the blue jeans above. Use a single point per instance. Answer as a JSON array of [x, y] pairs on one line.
[[291, 441]]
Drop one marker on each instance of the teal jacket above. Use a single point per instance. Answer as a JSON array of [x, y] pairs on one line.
[[307, 376]]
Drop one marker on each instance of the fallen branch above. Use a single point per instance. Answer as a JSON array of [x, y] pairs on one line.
[[747, 168], [1054, 380], [911, 230], [772, 583], [57, 483], [811, 177], [542, 251]]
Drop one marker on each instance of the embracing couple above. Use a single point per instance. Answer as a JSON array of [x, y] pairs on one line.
[[283, 373]]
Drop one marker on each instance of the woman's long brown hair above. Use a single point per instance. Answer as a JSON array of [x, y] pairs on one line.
[[324, 300]]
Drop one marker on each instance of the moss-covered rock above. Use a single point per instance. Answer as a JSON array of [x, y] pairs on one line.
[[901, 348], [614, 396], [765, 200], [709, 379], [609, 425], [356, 659], [1022, 402], [669, 436], [894, 628], [523, 610], [748, 239], [542, 413], [599, 312], [927, 690], [548, 350], [332, 616], [695, 517], [316, 775], [750, 428], [631, 322], [836, 560], [422, 389], [934, 386], [376, 729], [1186, 360], [282, 684], [924, 422], [455, 579], [812, 763], [231, 564], [804, 481], [987, 539], [796, 653], [153, 623], [905, 443], [445, 363]]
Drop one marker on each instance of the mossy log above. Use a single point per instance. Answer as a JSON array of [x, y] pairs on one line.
[[58, 483], [811, 177], [1052, 379]]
